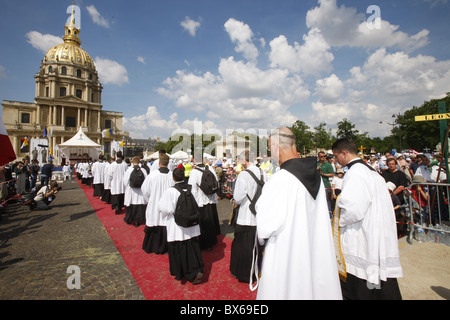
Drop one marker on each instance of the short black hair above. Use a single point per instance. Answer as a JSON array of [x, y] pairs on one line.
[[345, 144], [178, 174]]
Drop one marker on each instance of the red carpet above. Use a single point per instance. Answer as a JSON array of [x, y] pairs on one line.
[[151, 271]]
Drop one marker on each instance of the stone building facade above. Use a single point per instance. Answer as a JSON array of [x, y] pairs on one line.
[[68, 96]]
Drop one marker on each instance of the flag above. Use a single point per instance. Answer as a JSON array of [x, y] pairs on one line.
[[50, 132], [24, 142], [109, 133], [122, 143], [45, 132], [7, 153], [413, 152]]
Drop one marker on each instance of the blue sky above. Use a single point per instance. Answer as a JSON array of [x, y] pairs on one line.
[[247, 64]]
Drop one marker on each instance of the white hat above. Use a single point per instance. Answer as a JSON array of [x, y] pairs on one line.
[[390, 186]]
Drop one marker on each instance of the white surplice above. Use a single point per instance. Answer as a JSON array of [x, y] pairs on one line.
[[106, 172], [368, 227], [133, 195], [153, 187], [246, 186], [195, 179], [299, 259], [116, 174], [167, 205], [98, 171]]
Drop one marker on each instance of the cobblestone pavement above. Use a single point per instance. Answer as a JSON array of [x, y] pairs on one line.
[[38, 247]]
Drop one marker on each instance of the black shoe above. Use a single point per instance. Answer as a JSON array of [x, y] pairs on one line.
[[198, 278]]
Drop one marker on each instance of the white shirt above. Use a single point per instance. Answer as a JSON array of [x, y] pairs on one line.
[[153, 188], [133, 195], [246, 185], [337, 182], [299, 260], [368, 227], [195, 179], [116, 173], [106, 172], [423, 171], [166, 206], [98, 171]]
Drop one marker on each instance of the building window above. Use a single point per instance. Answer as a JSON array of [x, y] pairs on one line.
[[50, 69], [107, 124], [62, 91], [47, 91], [78, 73], [25, 118], [90, 76], [71, 122], [64, 71], [79, 93]]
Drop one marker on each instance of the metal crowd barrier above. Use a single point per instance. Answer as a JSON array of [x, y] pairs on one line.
[[428, 219]]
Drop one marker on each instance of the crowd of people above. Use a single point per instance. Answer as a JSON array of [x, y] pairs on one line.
[[283, 240], [25, 178], [283, 243]]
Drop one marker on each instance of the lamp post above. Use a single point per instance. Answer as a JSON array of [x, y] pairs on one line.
[[396, 122]]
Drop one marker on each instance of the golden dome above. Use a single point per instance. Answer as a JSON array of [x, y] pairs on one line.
[[70, 51]]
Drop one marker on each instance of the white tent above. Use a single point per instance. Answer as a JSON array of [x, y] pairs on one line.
[[80, 147], [180, 155], [153, 156], [208, 156]]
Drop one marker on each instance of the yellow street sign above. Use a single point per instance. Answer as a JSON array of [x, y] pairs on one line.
[[431, 117]]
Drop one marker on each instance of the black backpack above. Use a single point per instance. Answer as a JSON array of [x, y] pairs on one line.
[[186, 212], [259, 187], [209, 184], [137, 177]]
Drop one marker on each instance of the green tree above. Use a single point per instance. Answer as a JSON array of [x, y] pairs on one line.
[[323, 137], [346, 129], [420, 134], [304, 138]]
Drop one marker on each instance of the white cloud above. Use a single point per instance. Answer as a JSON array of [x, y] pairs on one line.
[[343, 26], [190, 25], [241, 34], [141, 60], [42, 42], [97, 17], [3, 74], [311, 58], [111, 72], [329, 89], [401, 80], [249, 96], [387, 83], [152, 124]]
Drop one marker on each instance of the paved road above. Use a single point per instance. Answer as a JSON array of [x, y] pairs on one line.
[[38, 247]]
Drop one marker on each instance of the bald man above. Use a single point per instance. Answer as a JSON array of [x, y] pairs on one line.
[[299, 260]]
